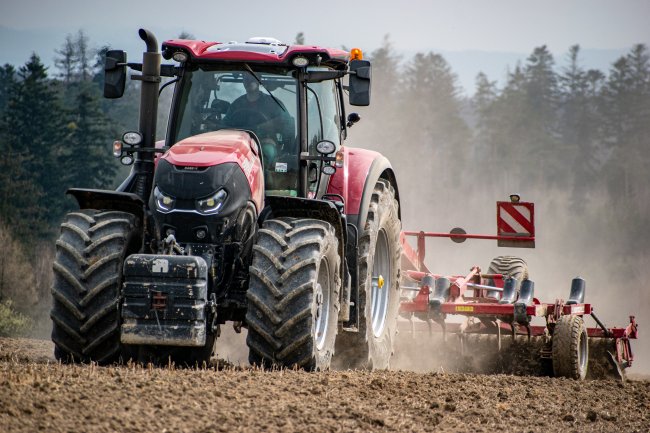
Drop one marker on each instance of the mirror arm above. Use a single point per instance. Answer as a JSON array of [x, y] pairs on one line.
[[304, 157]]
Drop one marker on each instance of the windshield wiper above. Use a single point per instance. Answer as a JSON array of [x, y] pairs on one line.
[[248, 68]]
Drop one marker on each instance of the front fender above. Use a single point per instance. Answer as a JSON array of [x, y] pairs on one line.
[[107, 199], [362, 169]]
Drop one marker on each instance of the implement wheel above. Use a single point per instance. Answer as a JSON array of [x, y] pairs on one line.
[[293, 295], [508, 266], [511, 266], [379, 286], [87, 278], [570, 348]]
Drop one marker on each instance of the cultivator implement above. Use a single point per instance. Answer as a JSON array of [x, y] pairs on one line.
[[485, 319]]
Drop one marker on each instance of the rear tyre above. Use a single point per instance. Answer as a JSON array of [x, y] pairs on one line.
[[379, 262], [570, 348], [293, 294], [87, 278]]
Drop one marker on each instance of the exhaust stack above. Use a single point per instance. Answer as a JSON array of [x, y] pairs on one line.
[[144, 162]]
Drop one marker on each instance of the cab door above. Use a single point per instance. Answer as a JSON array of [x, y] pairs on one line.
[[323, 123]]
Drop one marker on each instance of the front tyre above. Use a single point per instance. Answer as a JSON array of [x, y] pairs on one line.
[[379, 286], [293, 294], [87, 276]]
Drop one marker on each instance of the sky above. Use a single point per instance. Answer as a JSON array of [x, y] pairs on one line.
[[509, 29]]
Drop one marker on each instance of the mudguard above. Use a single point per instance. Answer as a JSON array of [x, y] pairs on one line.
[[356, 182], [324, 210], [107, 199]]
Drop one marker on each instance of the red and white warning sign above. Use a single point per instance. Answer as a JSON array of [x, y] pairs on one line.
[[516, 220]]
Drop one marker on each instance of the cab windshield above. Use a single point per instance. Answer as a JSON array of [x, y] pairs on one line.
[[264, 102]]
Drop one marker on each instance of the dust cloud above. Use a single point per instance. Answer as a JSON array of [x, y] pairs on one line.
[[231, 346], [574, 237]]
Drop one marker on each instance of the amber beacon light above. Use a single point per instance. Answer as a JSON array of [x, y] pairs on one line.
[[356, 54]]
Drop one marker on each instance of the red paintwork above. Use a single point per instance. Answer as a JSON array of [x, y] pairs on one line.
[[197, 49], [221, 147], [349, 181], [469, 236]]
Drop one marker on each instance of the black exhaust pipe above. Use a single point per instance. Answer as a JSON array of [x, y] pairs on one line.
[[144, 161]]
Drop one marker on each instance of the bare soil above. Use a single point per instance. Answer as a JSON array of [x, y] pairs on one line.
[[37, 394]]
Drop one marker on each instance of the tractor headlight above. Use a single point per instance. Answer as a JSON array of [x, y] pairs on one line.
[[164, 203], [213, 204]]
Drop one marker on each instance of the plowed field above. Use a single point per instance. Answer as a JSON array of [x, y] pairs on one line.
[[37, 394]]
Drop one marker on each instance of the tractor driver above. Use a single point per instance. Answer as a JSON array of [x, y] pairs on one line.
[[257, 111], [267, 117]]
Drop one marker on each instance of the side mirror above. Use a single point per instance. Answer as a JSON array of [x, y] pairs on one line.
[[114, 74], [360, 74]]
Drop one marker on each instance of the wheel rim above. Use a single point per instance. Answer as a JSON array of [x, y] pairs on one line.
[[322, 300], [381, 284], [583, 353]]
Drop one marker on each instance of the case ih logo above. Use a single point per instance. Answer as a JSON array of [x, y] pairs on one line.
[[516, 220]]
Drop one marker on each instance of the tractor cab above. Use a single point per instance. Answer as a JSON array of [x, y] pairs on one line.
[[261, 102], [289, 98]]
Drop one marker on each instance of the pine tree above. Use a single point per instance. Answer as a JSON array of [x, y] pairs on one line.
[[7, 85], [486, 93], [541, 84], [506, 133], [89, 163], [67, 60], [383, 109], [432, 122], [579, 123], [483, 103], [84, 56], [626, 110], [33, 194]]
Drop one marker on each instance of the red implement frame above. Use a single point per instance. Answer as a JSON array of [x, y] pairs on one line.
[[468, 294]]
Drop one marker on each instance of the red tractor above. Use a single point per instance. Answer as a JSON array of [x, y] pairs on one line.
[[252, 211]]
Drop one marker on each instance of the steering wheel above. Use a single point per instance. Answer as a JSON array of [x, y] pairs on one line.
[[246, 118]]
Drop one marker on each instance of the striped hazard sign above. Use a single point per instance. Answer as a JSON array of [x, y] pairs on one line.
[[516, 220]]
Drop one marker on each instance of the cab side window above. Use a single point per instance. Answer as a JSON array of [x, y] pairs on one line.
[[323, 122], [323, 118]]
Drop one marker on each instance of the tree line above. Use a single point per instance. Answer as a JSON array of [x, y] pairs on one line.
[[552, 126]]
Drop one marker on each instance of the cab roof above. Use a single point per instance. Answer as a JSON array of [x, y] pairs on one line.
[[255, 50]]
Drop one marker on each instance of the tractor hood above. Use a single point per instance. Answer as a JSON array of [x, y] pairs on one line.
[[221, 147], [213, 148]]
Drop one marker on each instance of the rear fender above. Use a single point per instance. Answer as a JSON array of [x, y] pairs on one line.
[[356, 182]]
